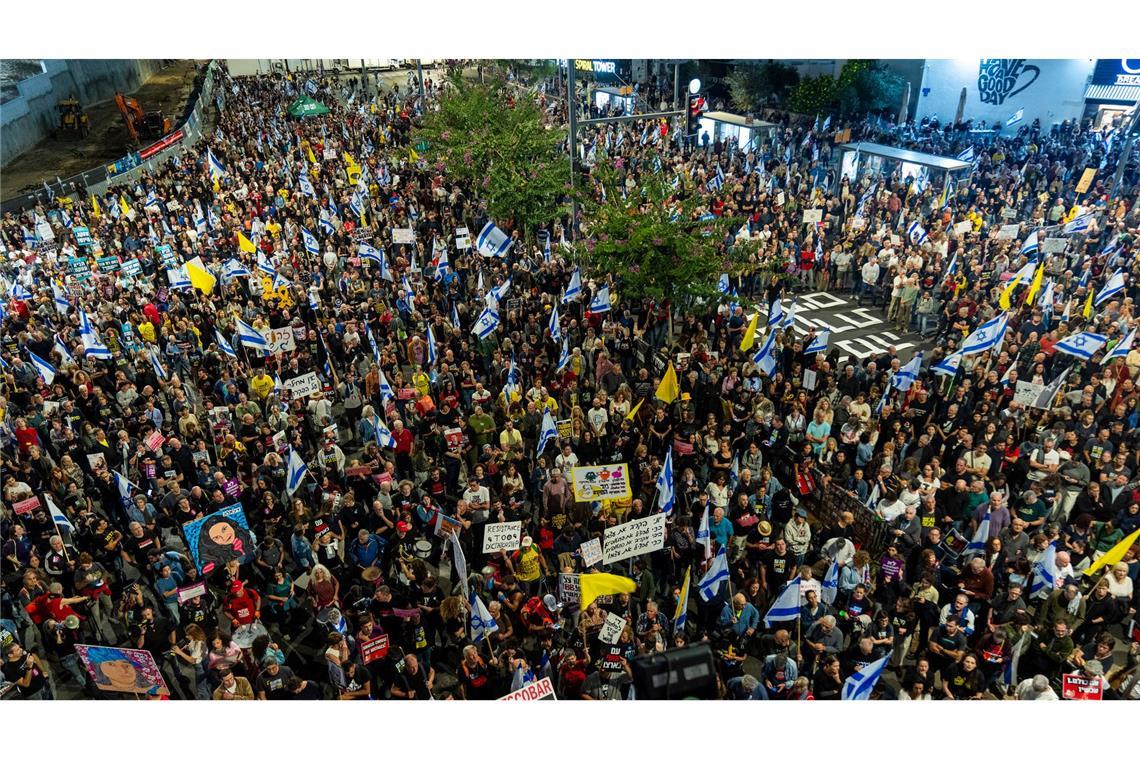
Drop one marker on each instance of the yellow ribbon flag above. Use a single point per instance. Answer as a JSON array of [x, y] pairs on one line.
[[593, 585], [352, 169], [1115, 554], [199, 276], [1036, 284], [1088, 310], [124, 206], [312, 158], [750, 332], [96, 212], [669, 389], [412, 155], [1003, 301], [246, 244], [632, 412]]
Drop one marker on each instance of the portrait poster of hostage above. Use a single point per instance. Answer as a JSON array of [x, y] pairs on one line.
[[217, 538], [132, 671]]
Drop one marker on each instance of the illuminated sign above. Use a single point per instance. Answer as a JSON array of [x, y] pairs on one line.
[[1120, 72]]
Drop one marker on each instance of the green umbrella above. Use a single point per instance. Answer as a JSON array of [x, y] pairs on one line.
[[306, 106]]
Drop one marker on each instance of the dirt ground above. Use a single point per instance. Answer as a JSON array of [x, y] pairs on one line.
[[108, 141]]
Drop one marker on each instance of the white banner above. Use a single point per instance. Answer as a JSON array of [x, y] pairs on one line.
[[501, 536], [462, 239], [591, 552], [634, 538], [601, 483], [963, 227], [1054, 245], [612, 628], [813, 215], [1009, 231], [402, 236], [303, 385]]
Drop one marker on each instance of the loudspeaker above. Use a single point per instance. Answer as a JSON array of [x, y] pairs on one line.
[[686, 673]]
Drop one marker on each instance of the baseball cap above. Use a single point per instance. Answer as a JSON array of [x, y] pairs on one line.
[[801, 512], [403, 525], [527, 541], [551, 603]]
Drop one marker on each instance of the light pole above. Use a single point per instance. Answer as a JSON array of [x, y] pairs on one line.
[[572, 106], [420, 72]]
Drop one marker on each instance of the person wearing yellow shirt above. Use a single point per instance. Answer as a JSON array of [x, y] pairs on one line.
[[422, 381], [273, 228], [146, 331], [510, 441], [261, 385], [547, 401]]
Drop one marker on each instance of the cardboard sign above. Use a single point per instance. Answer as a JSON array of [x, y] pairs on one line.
[[1054, 245], [612, 628], [108, 263], [462, 239], [601, 483], [329, 154], [82, 235], [1074, 686], [858, 222], [813, 215], [446, 526], [569, 590], [26, 506], [97, 461], [374, 649], [1083, 186], [406, 394], [360, 471], [191, 592], [565, 428], [1027, 393], [896, 240], [219, 537], [280, 340], [809, 379], [498, 536], [154, 440], [1008, 213], [532, 692], [303, 385], [453, 437], [1008, 231], [591, 552], [634, 538], [963, 227], [402, 236]]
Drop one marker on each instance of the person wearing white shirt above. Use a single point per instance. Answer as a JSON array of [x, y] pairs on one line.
[[1035, 689], [870, 274], [598, 417]]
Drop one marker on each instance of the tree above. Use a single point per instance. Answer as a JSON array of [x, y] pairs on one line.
[[813, 94], [870, 86], [752, 85], [658, 242], [495, 142]]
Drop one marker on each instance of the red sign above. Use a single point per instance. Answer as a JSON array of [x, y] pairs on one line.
[[406, 394], [27, 505], [1075, 686], [374, 649], [532, 692], [161, 145], [154, 440]]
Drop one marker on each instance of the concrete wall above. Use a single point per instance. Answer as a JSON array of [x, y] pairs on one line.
[[33, 115], [1051, 90]]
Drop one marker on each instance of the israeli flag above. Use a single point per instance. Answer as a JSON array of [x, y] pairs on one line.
[[93, 345], [58, 517], [948, 366], [442, 266], [826, 123], [279, 280], [1080, 224], [409, 294], [482, 624], [486, 324], [251, 337], [156, 365], [921, 182], [1114, 285], [326, 226], [310, 87], [1017, 117], [1030, 246], [666, 496], [724, 284], [312, 247], [988, 336], [601, 302], [790, 317], [907, 374], [59, 298], [716, 575], [46, 371], [703, 535], [787, 605], [829, 588], [819, 344], [548, 432], [1045, 571], [861, 683], [1082, 345], [492, 241], [199, 222], [20, 293], [977, 544], [354, 205], [306, 185], [967, 155], [1046, 301], [555, 328], [775, 313], [265, 266], [455, 317], [574, 289], [765, 358], [217, 171], [916, 233], [714, 184], [499, 292], [64, 353], [1121, 349], [564, 357], [297, 471], [386, 391], [431, 347], [382, 434], [224, 345]]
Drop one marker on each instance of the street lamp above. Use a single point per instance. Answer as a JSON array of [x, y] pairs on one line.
[[694, 86]]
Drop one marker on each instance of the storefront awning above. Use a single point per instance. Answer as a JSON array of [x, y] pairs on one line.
[[1121, 93]]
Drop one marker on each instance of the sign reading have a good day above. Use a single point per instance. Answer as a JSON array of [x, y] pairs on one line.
[[498, 536], [634, 538]]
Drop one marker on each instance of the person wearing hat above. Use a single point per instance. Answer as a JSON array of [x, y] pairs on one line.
[[797, 534], [242, 605], [529, 564]]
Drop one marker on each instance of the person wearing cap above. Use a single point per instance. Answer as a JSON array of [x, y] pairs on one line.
[[529, 564], [242, 605], [797, 535]]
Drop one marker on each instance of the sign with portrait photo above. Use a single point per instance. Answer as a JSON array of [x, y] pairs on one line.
[[217, 538], [130, 671]]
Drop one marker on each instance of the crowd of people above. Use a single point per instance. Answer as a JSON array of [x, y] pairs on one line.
[[244, 327]]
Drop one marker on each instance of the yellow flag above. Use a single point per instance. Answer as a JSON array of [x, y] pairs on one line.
[[412, 155], [1088, 305], [593, 585], [352, 169], [96, 212], [246, 244], [750, 332], [312, 158], [669, 389], [124, 205], [1036, 284], [1003, 301], [199, 276], [633, 411], [1115, 554]]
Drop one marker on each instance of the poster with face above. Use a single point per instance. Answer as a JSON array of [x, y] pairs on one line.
[[216, 539], [133, 671]]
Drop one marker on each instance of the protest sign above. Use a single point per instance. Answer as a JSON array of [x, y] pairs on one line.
[[1075, 686], [191, 592], [154, 440], [1086, 180], [569, 590], [403, 236], [132, 267], [498, 536], [374, 648], [1027, 393], [565, 428], [462, 239], [132, 671], [813, 215], [303, 385], [217, 538], [634, 538], [612, 628], [1054, 245], [531, 692], [963, 227], [591, 552], [1008, 231], [82, 235], [280, 340], [601, 482]]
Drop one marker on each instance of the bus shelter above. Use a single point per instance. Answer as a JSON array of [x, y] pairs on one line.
[[749, 133], [862, 158]]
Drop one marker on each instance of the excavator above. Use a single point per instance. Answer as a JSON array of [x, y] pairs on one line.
[[72, 119], [150, 125]]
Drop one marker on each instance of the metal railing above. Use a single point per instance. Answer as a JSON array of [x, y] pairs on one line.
[[79, 187]]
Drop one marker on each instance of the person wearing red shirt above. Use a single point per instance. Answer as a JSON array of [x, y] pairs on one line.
[[243, 606], [571, 676], [403, 438]]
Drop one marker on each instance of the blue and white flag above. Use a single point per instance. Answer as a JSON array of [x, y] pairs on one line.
[[482, 624], [703, 535], [775, 313], [921, 182], [765, 358], [178, 278], [409, 294], [372, 343], [156, 365], [1114, 285], [948, 366], [492, 241], [233, 268], [486, 324], [455, 317], [564, 357], [1045, 571], [224, 345], [907, 374], [217, 171], [19, 292], [916, 233], [787, 605], [312, 247], [297, 471], [724, 284], [1080, 224], [826, 123], [498, 293], [310, 87], [265, 266], [1017, 117], [1030, 247], [59, 298], [442, 266], [987, 336], [1121, 349], [819, 343], [790, 317], [57, 516], [326, 226], [382, 434], [967, 155], [714, 184], [555, 328], [574, 289], [93, 345], [977, 544], [64, 352], [829, 588], [601, 302], [249, 336], [386, 391], [306, 185], [431, 347], [548, 432], [1082, 345], [861, 683], [666, 497], [45, 370], [715, 576]]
